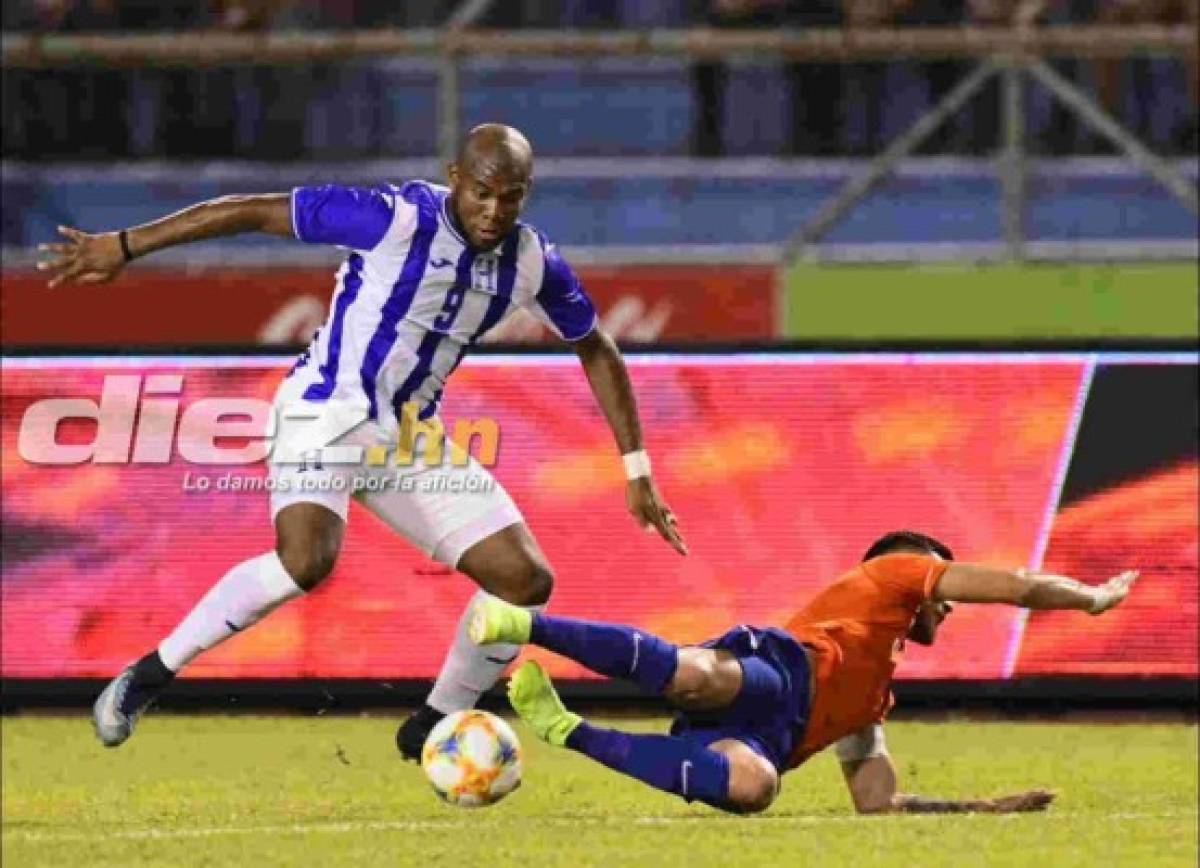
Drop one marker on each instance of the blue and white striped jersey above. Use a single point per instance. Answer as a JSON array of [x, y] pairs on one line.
[[412, 295]]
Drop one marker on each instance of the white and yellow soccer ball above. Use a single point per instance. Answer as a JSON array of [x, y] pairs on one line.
[[472, 758]]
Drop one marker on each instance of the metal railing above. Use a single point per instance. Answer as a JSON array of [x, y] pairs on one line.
[[840, 44]]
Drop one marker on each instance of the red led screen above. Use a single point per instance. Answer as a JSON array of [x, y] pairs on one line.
[[782, 469]]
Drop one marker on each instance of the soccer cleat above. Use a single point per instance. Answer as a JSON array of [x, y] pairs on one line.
[[113, 715], [493, 620], [410, 737], [533, 697], [127, 697]]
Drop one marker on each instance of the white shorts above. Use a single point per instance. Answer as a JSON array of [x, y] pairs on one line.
[[442, 509]]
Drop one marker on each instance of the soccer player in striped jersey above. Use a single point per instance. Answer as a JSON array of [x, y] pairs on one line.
[[757, 702], [429, 271]]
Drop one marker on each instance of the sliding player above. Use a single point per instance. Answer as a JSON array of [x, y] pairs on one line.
[[757, 702], [429, 271]]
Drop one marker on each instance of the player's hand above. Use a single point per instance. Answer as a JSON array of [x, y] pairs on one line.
[[1113, 591], [82, 257], [1033, 800], [647, 507]]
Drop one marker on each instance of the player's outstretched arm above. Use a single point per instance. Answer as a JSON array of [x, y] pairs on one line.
[[975, 583], [871, 779], [84, 257], [610, 384]]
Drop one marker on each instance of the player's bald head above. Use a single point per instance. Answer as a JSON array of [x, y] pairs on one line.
[[490, 180], [495, 150]]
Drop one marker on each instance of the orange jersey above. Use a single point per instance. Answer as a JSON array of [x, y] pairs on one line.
[[856, 629]]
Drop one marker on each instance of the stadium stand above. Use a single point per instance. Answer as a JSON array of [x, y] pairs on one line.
[[589, 107]]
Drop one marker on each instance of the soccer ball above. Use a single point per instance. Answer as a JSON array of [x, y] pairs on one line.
[[472, 758]]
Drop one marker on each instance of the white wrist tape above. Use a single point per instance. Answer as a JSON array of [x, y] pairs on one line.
[[866, 743], [637, 464]]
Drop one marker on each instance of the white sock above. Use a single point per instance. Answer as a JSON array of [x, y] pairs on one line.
[[470, 670], [244, 595]]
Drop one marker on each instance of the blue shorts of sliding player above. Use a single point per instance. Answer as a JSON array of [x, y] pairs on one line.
[[770, 712]]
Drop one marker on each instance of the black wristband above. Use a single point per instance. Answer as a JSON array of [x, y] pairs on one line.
[[123, 237]]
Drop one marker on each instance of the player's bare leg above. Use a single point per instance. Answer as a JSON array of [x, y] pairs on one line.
[[507, 565], [753, 782], [510, 565], [308, 538], [726, 774], [705, 679]]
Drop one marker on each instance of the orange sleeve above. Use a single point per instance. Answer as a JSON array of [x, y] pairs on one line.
[[915, 576]]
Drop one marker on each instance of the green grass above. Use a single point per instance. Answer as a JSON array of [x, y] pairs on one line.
[[330, 791], [1002, 302]]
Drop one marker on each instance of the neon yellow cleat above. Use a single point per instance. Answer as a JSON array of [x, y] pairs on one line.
[[493, 620], [533, 697]]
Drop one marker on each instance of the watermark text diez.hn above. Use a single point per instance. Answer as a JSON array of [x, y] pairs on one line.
[[142, 423]]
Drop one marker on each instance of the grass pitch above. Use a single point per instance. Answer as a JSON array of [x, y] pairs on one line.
[[956, 301], [330, 791]]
